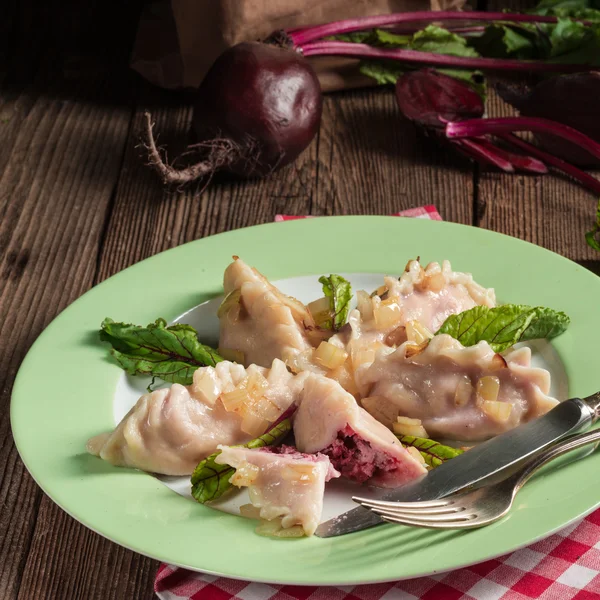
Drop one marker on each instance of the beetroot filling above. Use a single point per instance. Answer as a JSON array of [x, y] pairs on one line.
[[355, 458]]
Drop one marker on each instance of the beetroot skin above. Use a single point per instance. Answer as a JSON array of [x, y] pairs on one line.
[[257, 109]]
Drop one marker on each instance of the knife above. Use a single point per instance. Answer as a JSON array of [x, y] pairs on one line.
[[478, 463]]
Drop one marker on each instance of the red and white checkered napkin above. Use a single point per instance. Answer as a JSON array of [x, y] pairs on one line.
[[564, 566]]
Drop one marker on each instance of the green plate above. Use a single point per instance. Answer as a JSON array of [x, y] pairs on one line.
[[64, 389]]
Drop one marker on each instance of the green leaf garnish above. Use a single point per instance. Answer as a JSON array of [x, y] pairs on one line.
[[504, 326], [431, 39], [433, 452], [591, 237], [171, 353], [339, 292], [210, 480]]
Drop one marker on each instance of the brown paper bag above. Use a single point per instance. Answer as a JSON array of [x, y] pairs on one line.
[[177, 44]]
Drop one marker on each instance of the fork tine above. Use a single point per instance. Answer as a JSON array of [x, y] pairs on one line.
[[386, 504], [468, 524], [416, 510], [436, 518]]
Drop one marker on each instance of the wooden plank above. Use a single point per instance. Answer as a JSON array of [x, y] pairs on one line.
[[65, 110], [550, 210], [373, 161]]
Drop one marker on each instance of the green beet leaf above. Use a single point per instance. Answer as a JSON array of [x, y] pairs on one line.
[[431, 39], [504, 326], [210, 480], [171, 353], [433, 452], [339, 292], [591, 237]]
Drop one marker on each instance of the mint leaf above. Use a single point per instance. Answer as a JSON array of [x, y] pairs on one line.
[[171, 353], [210, 480], [504, 326], [591, 237], [433, 452], [339, 292]]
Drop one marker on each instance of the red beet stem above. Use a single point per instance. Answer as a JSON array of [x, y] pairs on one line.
[[518, 161], [481, 153], [309, 34], [432, 58], [560, 165], [478, 127]]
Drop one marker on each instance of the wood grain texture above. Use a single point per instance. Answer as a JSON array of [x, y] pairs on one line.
[[373, 161], [549, 210], [65, 114]]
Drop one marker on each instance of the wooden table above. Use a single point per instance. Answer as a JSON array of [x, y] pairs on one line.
[[78, 205]]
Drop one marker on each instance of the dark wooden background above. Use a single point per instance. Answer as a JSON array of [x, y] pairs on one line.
[[77, 206]]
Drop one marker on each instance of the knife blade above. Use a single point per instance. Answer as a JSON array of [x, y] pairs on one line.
[[478, 463]]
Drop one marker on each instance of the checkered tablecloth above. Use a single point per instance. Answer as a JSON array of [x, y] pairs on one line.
[[564, 566]]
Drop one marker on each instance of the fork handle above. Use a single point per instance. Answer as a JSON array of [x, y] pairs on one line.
[[568, 444]]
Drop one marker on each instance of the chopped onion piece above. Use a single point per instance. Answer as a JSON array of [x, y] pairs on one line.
[[245, 475], [231, 355], [364, 305], [267, 409], [387, 316], [488, 388], [330, 356], [205, 386], [381, 408], [415, 453], [417, 333], [380, 291], [273, 529], [415, 349], [408, 426], [291, 532], [298, 473], [249, 511], [321, 311], [464, 391], [235, 400], [269, 528], [254, 424], [396, 337], [257, 385], [232, 299], [498, 362], [433, 283], [499, 411]]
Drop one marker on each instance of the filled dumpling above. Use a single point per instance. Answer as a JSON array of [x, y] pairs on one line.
[[282, 482], [463, 393], [329, 421], [170, 430], [259, 323], [420, 300]]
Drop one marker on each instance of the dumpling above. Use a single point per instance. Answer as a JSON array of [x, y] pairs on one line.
[[420, 298], [462, 393], [329, 421], [170, 430], [282, 482], [261, 324], [430, 295], [411, 308]]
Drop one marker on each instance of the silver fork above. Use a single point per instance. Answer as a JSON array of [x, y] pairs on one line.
[[482, 506]]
